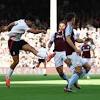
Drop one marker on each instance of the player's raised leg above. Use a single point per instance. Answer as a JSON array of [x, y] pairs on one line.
[[29, 48]]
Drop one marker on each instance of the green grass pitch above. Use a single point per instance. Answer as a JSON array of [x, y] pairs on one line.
[[48, 88]]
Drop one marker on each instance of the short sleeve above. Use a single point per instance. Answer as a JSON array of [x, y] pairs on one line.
[[16, 22], [26, 29], [68, 30], [52, 36]]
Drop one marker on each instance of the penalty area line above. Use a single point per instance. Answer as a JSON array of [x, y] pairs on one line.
[[81, 82]]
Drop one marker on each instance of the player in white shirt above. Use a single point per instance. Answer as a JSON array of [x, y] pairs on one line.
[[15, 44]]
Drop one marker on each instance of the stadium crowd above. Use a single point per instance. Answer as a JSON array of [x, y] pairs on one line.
[[27, 59]]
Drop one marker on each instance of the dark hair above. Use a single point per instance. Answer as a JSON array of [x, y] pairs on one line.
[[69, 16], [29, 17], [63, 21]]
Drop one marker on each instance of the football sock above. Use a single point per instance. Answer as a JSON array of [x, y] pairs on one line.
[[73, 80], [9, 73], [44, 71], [63, 76]]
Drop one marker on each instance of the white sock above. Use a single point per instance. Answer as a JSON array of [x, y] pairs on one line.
[[44, 71], [39, 71], [9, 73], [73, 80]]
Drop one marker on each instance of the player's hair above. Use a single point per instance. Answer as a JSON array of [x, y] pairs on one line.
[[29, 17], [62, 21], [69, 16]]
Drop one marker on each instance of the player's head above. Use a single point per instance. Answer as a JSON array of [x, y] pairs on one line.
[[61, 26], [29, 21], [70, 17]]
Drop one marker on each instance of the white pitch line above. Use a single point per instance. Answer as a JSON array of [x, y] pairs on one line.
[[82, 82]]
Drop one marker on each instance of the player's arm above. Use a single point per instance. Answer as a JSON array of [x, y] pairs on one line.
[[69, 41], [68, 32], [50, 44], [51, 40], [6, 28], [79, 40], [36, 31], [93, 50]]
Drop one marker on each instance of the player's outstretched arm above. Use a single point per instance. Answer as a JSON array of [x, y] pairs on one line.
[[69, 41], [79, 40], [36, 31], [50, 44], [6, 28]]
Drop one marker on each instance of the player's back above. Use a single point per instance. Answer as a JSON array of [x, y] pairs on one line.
[[20, 26], [18, 29]]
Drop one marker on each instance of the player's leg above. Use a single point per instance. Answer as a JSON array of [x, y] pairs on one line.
[[38, 64], [44, 70], [11, 69], [29, 48], [79, 63], [86, 70], [69, 64], [74, 78], [86, 66], [75, 59], [61, 73], [58, 58], [14, 51]]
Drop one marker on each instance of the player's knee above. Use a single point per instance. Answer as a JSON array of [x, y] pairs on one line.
[[87, 68], [68, 62], [78, 70]]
